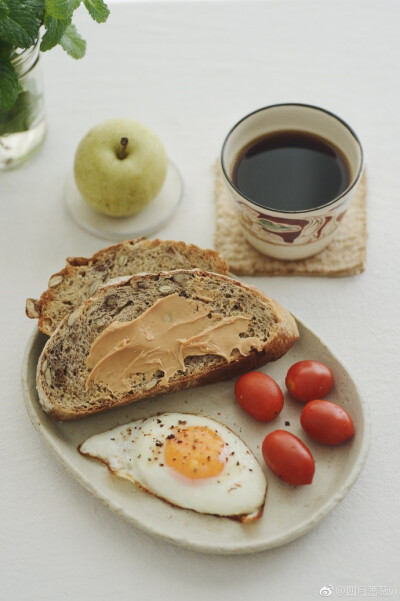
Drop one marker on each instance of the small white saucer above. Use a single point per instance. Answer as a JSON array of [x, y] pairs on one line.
[[152, 218]]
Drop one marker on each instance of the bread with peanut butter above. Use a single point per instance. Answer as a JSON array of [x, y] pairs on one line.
[[81, 277], [151, 334]]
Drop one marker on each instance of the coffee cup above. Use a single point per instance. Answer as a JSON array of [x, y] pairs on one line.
[[291, 170]]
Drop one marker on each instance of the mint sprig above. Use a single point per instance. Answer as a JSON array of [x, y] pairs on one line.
[[9, 84], [22, 114], [3, 9], [61, 9], [72, 42], [97, 10], [55, 29], [22, 22]]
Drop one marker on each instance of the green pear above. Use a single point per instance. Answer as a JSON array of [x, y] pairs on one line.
[[120, 166]]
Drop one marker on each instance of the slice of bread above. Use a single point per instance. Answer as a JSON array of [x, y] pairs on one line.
[[81, 277], [62, 373]]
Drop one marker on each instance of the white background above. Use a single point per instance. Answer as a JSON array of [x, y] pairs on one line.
[[190, 71]]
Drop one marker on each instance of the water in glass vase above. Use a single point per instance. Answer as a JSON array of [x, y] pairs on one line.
[[23, 127]]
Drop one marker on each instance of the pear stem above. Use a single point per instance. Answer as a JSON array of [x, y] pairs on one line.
[[122, 149]]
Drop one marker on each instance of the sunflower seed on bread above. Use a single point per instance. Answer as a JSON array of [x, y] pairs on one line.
[[64, 374], [81, 277]]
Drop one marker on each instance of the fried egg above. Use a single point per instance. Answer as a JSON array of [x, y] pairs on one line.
[[190, 461]]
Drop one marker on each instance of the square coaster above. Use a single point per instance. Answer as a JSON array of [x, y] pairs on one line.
[[345, 255]]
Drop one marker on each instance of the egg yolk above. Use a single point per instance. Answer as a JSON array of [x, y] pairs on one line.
[[194, 452]]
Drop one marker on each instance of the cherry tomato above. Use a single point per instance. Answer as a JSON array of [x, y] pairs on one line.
[[309, 380], [259, 395], [326, 422], [288, 457]]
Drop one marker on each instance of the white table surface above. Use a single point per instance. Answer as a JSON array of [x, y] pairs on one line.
[[190, 71]]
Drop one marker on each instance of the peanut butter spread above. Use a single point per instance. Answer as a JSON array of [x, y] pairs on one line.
[[161, 338]]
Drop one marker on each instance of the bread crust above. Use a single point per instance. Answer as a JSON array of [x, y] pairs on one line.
[[283, 336], [41, 308]]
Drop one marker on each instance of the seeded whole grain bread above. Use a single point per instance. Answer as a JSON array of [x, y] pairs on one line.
[[62, 371], [81, 277]]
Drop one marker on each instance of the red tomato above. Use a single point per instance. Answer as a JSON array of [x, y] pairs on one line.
[[326, 422], [309, 380], [259, 395], [288, 457]]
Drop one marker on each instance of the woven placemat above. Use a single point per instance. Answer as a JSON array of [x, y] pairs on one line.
[[345, 255]]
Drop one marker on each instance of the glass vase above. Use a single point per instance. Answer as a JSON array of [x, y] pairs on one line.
[[23, 127]]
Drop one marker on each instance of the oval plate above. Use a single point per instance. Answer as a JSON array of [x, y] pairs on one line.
[[289, 511]]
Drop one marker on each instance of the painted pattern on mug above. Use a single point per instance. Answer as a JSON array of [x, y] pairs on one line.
[[281, 230]]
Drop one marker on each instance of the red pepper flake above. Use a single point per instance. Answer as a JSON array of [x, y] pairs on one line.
[[161, 465], [182, 422], [178, 441], [171, 436], [159, 443], [158, 421], [112, 438]]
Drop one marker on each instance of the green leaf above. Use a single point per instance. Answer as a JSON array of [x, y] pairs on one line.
[[61, 9], [37, 6], [6, 51], [72, 42], [21, 116], [55, 29], [3, 10], [20, 26], [98, 10], [9, 85]]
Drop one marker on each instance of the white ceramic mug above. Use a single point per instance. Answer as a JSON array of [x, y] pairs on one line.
[[291, 235]]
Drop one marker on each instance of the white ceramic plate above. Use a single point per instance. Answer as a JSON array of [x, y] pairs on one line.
[[289, 512]]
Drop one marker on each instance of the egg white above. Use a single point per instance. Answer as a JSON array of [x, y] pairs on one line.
[[135, 451]]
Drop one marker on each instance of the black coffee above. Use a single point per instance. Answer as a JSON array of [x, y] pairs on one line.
[[291, 171]]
